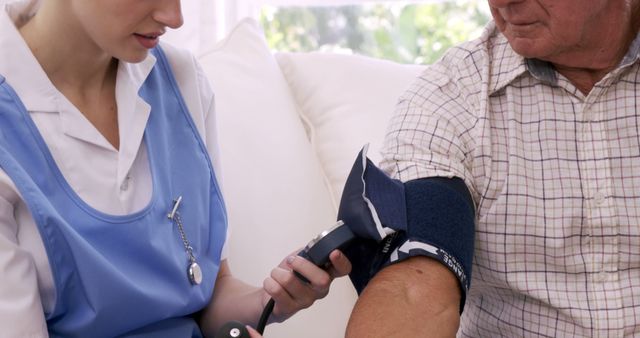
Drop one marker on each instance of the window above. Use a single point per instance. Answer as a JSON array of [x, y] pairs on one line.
[[400, 31]]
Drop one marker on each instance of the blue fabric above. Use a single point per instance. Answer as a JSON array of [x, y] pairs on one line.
[[431, 217], [440, 213], [369, 194], [123, 275], [386, 196]]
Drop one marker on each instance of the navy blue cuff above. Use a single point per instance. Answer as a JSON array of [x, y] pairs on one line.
[[440, 218], [441, 225]]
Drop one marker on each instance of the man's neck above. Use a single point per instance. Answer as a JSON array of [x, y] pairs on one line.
[[588, 66]]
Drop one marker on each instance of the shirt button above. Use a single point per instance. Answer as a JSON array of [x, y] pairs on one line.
[[599, 197], [602, 277], [125, 184], [586, 126]]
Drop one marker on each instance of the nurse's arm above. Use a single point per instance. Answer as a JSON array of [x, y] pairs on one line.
[[419, 297], [232, 300]]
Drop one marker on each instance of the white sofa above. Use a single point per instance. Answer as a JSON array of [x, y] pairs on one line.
[[290, 126]]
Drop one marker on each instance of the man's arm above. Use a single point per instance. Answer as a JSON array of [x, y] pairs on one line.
[[422, 295], [418, 297]]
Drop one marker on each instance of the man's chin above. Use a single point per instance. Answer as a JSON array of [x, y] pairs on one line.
[[528, 48]]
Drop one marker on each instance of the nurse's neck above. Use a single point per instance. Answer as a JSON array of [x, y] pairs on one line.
[[63, 48], [77, 67]]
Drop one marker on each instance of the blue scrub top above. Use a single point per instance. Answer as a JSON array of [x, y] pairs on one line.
[[123, 275]]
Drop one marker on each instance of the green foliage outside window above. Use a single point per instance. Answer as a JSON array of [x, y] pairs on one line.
[[408, 33]]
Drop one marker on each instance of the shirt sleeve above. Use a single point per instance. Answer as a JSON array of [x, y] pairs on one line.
[[429, 147], [21, 312], [430, 133]]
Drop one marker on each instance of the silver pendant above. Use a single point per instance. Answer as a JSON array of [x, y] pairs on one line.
[[195, 273]]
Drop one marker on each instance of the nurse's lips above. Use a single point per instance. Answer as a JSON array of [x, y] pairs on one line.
[[148, 40]]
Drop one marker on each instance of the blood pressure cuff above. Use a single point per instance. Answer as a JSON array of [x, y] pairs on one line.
[[432, 217]]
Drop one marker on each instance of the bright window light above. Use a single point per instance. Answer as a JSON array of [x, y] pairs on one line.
[[402, 31]]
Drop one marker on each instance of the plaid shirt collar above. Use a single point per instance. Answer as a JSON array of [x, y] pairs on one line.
[[511, 65]]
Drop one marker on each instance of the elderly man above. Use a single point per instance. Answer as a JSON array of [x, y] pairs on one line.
[[540, 118]]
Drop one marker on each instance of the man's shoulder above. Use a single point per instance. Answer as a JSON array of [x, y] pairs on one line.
[[474, 51], [480, 56], [477, 66]]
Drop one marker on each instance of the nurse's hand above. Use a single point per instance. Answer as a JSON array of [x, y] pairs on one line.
[[290, 293], [253, 333]]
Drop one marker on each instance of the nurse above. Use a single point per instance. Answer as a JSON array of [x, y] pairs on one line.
[[111, 217]]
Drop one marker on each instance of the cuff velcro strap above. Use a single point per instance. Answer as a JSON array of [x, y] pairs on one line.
[[440, 225]]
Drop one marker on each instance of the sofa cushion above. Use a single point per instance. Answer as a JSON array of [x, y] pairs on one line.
[[274, 188], [272, 181], [346, 100]]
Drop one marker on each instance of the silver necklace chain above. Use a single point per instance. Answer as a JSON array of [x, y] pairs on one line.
[[185, 241], [194, 272]]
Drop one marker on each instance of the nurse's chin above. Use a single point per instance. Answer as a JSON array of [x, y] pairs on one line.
[[134, 57]]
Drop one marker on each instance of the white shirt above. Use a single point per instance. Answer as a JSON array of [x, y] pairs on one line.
[[554, 174], [111, 180]]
